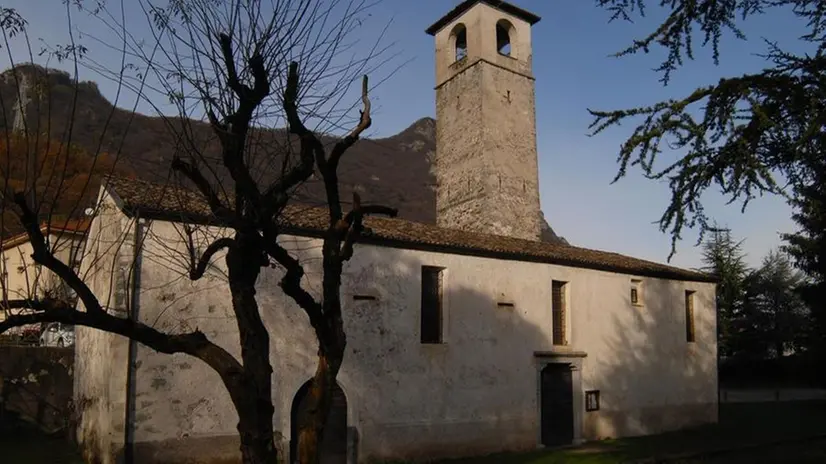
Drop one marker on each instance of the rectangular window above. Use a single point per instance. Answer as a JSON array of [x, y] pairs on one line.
[[558, 311], [636, 292], [431, 329], [689, 316]]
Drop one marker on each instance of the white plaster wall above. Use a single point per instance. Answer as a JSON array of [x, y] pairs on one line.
[[649, 377], [22, 278], [178, 396], [100, 357], [476, 392]]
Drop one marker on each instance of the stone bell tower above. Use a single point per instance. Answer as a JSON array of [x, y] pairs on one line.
[[486, 157]]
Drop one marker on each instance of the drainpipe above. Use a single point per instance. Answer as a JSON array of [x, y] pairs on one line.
[[134, 287]]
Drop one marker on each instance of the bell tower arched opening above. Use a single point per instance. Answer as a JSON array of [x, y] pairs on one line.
[[504, 30], [460, 42]]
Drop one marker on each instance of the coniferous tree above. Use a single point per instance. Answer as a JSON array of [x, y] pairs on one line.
[[808, 248], [736, 134], [773, 314], [724, 258]]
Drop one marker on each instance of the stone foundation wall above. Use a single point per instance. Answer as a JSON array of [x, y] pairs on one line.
[[36, 385], [223, 449]]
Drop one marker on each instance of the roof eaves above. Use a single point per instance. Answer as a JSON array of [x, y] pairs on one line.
[[387, 240], [23, 237], [503, 6]]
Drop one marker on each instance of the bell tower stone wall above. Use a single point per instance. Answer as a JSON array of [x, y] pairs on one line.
[[486, 156]]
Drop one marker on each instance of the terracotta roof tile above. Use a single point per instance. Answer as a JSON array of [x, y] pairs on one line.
[[175, 203], [56, 227]]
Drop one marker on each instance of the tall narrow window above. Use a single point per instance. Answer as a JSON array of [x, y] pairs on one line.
[[636, 292], [503, 38], [689, 316], [461, 42], [558, 312], [431, 328]]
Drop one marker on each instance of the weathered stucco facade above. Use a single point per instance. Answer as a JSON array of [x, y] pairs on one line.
[[22, 278], [102, 359]]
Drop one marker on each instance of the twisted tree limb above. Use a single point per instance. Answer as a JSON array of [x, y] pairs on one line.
[[197, 267]]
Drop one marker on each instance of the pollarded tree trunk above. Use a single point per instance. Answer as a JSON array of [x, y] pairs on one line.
[[257, 445], [331, 342], [317, 406], [256, 442], [255, 409]]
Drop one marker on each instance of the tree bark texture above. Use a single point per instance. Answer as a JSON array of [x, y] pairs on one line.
[[255, 408], [331, 344]]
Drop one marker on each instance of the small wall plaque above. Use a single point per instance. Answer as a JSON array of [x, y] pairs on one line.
[[592, 400]]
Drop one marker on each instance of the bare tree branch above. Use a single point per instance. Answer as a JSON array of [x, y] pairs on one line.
[[195, 343], [291, 281], [364, 123], [352, 225], [42, 255], [194, 174], [198, 267], [329, 168], [239, 121]]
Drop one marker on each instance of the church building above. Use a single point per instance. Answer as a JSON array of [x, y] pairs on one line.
[[467, 337]]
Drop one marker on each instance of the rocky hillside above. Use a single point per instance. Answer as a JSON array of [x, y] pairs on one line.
[[396, 170]]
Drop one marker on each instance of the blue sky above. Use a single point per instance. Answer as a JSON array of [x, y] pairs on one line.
[[573, 69]]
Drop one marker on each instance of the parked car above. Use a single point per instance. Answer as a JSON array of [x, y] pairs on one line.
[[58, 334]]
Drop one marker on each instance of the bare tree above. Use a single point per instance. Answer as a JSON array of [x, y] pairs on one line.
[[241, 66]]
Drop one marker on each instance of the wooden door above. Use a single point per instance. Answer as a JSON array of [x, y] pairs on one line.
[[334, 442], [557, 408]]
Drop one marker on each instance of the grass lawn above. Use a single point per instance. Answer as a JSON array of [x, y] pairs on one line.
[[809, 452], [740, 424]]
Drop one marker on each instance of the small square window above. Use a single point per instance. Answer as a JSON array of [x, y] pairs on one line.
[[592, 400]]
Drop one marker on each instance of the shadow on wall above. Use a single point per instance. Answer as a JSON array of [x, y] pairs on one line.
[[473, 393], [652, 378]]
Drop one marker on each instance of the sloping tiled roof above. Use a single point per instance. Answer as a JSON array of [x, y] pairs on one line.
[[179, 204], [467, 4], [56, 227]]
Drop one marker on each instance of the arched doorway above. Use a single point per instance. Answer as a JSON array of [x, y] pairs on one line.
[[334, 442]]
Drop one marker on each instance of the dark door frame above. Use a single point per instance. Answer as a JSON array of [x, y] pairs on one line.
[[293, 442], [573, 359]]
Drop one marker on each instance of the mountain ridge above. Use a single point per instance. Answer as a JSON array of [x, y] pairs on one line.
[[396, 170]]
